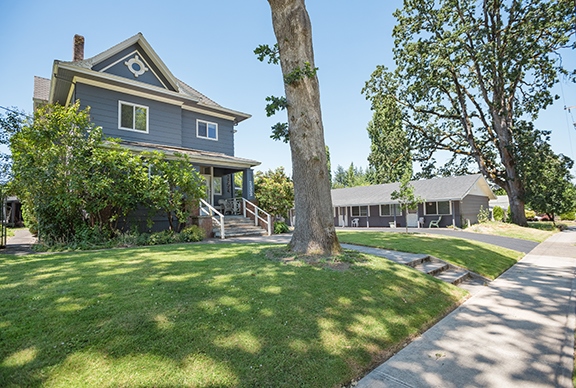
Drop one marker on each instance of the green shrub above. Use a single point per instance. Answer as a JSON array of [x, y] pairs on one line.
[[498, 213], [562, 227], [163, 237], [281, 227], [483, 215], [530, 214], [570, 216], [192, 233]]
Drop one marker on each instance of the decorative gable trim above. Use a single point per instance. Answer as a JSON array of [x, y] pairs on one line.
[[143, 43], [136, 57]]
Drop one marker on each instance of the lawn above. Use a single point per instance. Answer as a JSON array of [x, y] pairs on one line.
[[485, 259], [536, 231], [205, 315]]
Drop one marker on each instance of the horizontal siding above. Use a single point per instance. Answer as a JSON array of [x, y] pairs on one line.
[[471, 207], [165, 120], [225, 142]]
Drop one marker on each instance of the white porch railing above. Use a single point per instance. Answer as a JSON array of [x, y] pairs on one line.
[[256, 212], [218, 217]]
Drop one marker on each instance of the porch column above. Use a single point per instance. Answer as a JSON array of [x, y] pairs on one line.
[[248, 184]]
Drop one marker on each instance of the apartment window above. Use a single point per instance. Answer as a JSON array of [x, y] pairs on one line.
[[359, 211], [437, 208], [389, 210], [207, 130], [132, 117]]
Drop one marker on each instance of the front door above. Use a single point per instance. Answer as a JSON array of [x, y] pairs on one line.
[[412, 218], [342, 216], [208, 183]]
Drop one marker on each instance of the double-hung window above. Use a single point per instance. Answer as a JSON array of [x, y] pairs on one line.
[[389, 210], [438, 208], [359, 211], [207, 130], [132, 117]]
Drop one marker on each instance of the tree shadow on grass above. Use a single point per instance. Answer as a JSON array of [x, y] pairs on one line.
[[203, 315]]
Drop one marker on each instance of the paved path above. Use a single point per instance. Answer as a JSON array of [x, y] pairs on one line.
[[517, 332], [19, 244]]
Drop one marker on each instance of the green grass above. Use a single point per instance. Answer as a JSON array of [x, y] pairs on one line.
[[536, 231], [204, 315], [485, 259]]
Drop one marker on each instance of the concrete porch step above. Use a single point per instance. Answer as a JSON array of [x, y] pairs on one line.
[[238, 226]]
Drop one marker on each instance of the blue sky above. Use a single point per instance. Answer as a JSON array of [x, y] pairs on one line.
[[209, 45]]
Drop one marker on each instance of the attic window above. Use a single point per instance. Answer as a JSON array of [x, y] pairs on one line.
[[132, 117], [206, 130]]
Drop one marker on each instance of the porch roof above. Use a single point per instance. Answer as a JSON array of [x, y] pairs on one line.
[[197, 157], [438, 189]]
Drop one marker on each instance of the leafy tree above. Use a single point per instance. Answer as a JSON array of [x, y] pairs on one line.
[[314, 231], [10, 123], [274, 191], [175, 187], [549, 187], [52, 170], [390, 155], [467, 71], [351, 177], [72, 182], [406, 196]]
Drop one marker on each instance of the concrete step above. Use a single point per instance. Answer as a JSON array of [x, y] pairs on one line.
[[229, 234], [454, 275], [432, 266]]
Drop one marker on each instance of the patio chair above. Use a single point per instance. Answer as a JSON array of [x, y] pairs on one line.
[[356, 222], [435, 222]]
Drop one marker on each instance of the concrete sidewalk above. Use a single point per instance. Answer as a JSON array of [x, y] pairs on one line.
[[19, 244], [517, 332]]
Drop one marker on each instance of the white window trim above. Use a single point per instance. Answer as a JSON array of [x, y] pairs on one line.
[[389, 209], [437, 214], [120, 103], [198, 121]]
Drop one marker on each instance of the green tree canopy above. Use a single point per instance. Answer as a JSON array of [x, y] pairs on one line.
[[468, 71], [390, 156], [549, 186], [350, 177], [274, 191], [71, 179]]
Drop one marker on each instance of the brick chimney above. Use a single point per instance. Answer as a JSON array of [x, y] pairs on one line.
[[78, 48]]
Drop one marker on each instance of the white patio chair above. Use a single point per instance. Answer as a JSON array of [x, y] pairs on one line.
[[356, 222], [435, 222]]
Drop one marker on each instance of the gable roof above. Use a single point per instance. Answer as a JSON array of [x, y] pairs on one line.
[[136, 39], [453, 188], [67, 73]]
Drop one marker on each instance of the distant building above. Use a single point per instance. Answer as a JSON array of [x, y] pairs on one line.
[[454, 201]]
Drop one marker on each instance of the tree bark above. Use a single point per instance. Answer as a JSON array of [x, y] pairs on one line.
[[314, 231]]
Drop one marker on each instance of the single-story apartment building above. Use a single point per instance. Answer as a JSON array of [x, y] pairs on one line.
[[449, 201]]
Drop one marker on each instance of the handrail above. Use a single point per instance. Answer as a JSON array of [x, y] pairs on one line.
[[212, 212], [257, 217]]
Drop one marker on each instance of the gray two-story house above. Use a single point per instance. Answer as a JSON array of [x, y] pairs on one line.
[[133, 96]]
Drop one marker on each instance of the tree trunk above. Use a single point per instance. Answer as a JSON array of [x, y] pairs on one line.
[[314, 231], [502, 121]]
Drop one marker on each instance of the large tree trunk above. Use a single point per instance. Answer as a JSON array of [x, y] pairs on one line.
[[502, 119], [314, 231]]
